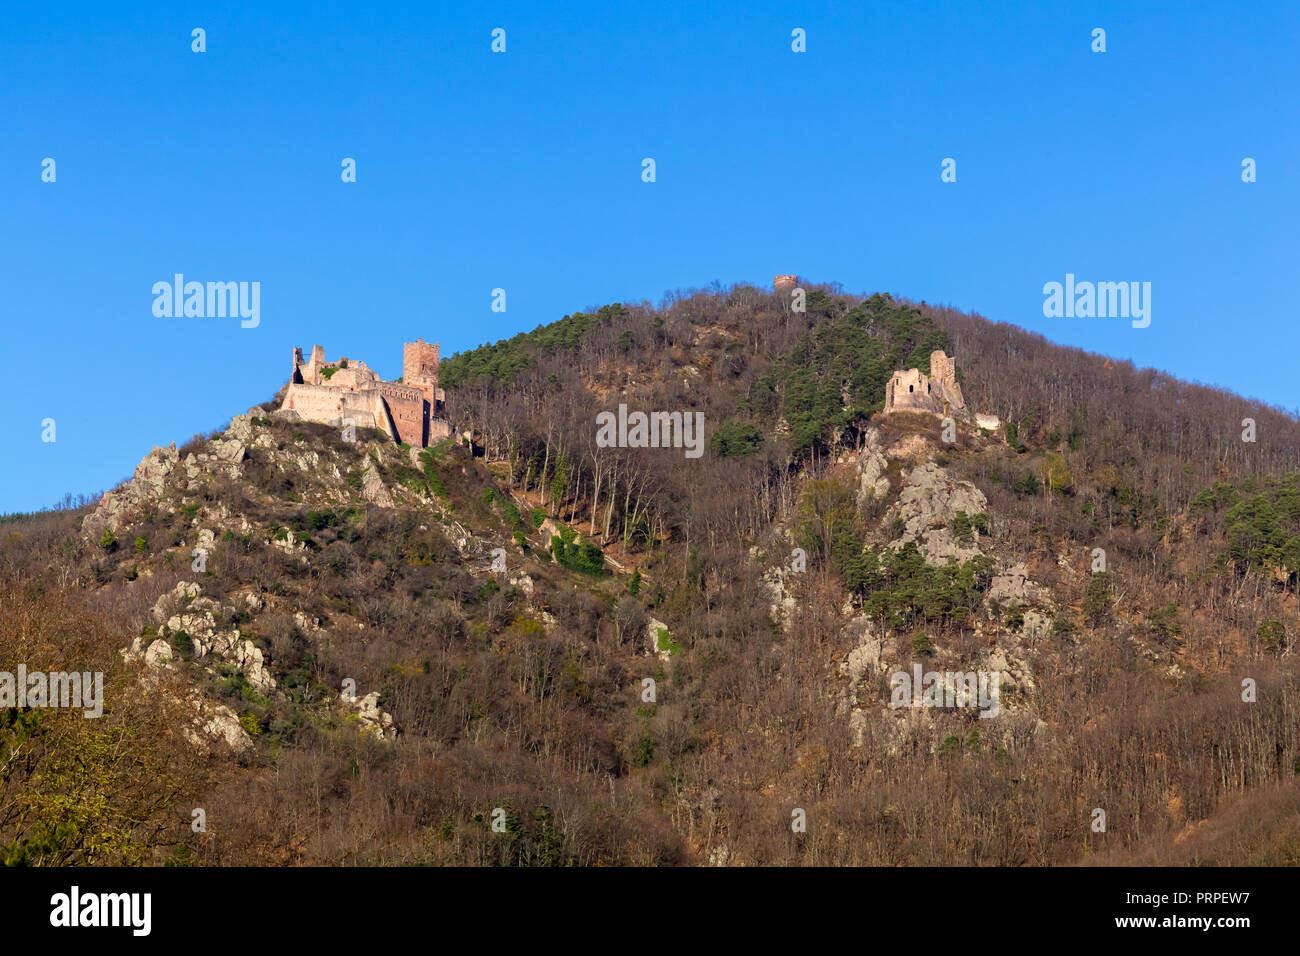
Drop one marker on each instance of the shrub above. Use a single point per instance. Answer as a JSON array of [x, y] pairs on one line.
[[1013, 438], [1162, 623], [108, 542], [963, 525], [922, 646], [436, 485], [512, 513], [644, 751], [1096, 602], [736, 439], [182, 643], [1026, 485], [319, 520], [581, 556], [429, 459], [664, 641], [1272, 634], [140, 544]]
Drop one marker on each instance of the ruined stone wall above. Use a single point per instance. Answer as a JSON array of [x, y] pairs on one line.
[[913, 390], [408, 411], [944, 374], [910, 390], [330, 406], [311, 371], [941, 368], [353, 378]]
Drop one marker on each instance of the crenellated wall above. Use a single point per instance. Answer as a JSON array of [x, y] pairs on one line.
[[409, 412]]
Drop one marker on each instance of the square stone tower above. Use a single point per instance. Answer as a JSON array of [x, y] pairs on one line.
[[420, 368], [943, 371]]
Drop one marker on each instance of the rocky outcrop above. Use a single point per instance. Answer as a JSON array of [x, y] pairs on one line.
[[207, 624], [156, 655], [863, 662], [146, 487], [1014, 587], [1016, 675], [866, 656], [373, 488], [781, 606], [927, 506], [216, 722], [549, 529], [873, 480], [373, 720]]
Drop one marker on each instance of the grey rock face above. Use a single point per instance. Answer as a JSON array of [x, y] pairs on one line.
[[928, 503]]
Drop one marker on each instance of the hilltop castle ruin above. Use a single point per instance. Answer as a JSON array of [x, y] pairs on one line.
[[914, 391], [347, 392]]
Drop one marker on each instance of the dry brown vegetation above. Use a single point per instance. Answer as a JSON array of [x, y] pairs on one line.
[[531, 702]]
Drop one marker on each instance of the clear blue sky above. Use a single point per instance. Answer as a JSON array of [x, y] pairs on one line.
[[523, 171]]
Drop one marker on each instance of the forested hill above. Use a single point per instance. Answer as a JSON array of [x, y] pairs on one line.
[[1116, 551], [806, 381]]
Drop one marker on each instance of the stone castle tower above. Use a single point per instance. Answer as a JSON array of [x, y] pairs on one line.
[[938, 392], [786, 283], [420, 368]]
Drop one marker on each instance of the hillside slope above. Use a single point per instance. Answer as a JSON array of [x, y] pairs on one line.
[[1113, 557]]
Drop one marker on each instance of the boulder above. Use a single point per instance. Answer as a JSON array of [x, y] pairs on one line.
[[373, 488], [240, 430], [373, 720]]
